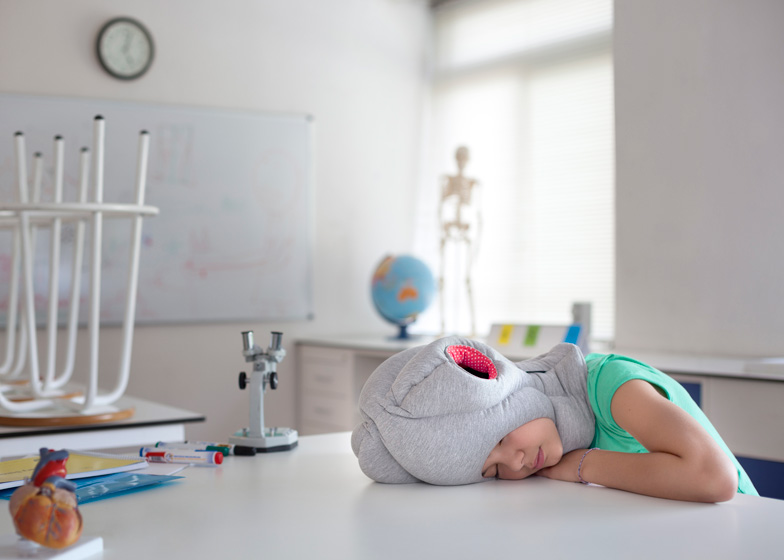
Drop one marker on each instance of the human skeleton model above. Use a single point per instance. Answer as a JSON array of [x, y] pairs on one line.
[[461, 222]]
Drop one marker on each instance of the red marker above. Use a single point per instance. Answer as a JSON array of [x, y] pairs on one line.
[[158, 455]]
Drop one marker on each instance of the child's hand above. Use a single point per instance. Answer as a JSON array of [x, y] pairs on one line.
[[566, 468]]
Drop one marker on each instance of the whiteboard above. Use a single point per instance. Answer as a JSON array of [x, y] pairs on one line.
[[233, 239]]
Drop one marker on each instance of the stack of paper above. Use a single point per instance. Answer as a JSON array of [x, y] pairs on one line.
[[96, 476]]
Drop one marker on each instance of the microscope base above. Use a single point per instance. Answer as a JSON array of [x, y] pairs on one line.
[[274, 439], [277, 448]]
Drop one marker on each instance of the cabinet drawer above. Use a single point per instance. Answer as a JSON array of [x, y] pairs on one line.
[[749, 416], [336, 412], [326, 370]]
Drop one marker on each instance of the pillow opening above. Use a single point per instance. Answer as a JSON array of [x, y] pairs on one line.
[[472, 361]]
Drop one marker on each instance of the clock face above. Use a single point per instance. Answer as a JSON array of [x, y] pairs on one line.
[[125, 48]]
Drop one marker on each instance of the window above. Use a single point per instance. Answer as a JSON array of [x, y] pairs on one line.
[[527, 86]]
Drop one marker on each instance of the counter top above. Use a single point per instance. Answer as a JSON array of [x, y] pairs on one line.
[[771, 369]]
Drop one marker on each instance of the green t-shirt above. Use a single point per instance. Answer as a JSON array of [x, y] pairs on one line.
[[606, 373]]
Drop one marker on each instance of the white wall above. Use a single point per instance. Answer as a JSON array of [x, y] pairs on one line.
[[358, 66], [700, 176]]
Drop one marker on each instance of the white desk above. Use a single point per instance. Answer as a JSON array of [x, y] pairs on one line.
[[315, 503], [150, 422]]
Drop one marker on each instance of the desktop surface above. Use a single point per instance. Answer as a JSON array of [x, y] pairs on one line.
[[314, 502], [150, 421]]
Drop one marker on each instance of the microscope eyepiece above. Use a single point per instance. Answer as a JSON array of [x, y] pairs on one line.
[[247, 341], [276, 340]]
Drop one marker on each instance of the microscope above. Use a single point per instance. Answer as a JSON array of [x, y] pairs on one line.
[[256, 437]]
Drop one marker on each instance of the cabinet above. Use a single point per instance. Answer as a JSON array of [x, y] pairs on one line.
[[331, 376], [748, 414]]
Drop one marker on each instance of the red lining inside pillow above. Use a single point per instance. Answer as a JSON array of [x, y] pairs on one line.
[[468, 357]]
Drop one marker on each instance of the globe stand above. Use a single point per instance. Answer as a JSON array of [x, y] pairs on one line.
[[405, 336]]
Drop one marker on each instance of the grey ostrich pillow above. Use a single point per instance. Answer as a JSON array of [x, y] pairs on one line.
[[434, 413]]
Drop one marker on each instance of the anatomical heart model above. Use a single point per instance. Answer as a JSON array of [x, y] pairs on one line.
[[44, 508]]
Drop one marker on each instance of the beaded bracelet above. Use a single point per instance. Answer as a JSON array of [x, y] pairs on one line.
[[580, 466]]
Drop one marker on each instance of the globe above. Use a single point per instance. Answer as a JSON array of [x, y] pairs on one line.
[[402, 288]]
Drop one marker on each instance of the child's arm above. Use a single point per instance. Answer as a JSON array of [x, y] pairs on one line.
[[684, 462]]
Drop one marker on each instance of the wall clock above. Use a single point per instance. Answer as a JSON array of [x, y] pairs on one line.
[[125, 48]]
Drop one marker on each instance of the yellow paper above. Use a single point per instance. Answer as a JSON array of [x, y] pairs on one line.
[[79, 465]]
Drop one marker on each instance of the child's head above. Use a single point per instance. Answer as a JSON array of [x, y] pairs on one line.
[[525, 450], [436, 413]]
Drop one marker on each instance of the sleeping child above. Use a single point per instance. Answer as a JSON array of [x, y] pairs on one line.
[[457, 412]]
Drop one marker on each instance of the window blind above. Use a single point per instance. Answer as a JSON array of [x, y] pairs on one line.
[[527, 86]]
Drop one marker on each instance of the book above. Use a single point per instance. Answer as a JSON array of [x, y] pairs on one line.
[[81, 464], [109, 485]]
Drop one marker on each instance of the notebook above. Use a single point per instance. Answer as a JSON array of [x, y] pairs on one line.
[[81, 464]]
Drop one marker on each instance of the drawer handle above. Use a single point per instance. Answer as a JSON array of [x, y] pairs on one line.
[[322, 410]]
